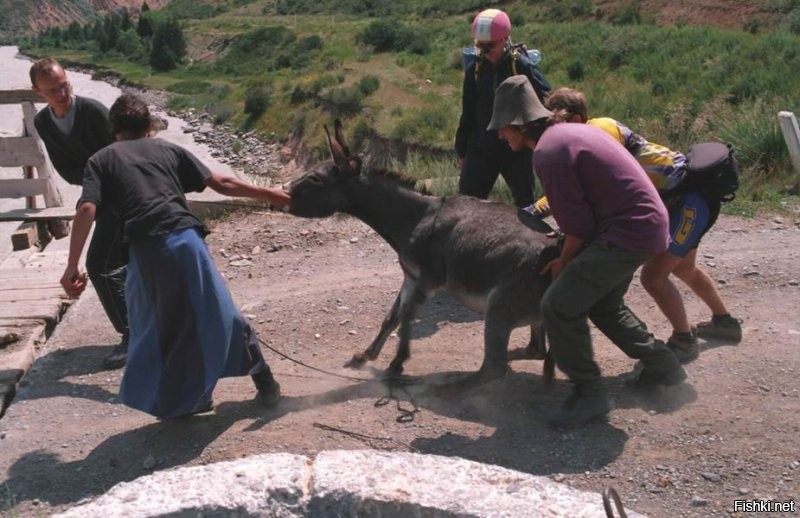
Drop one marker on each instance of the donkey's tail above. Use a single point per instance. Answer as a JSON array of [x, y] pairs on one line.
[[549, 369]]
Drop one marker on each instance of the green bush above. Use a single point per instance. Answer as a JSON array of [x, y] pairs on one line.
[[576, 70], [368, 85], [257, 99], [794, 21], [391, 35], [628, 14], [343, 101]]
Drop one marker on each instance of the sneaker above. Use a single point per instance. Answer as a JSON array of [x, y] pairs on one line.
[[581, 408], [118, 356], [269, 390], [646, 379], [683, 346], [720, 327]]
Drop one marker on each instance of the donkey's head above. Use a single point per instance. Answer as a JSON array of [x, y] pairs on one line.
[[320, 192]]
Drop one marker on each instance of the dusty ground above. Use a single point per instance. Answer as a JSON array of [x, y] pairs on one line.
[[318, 290]]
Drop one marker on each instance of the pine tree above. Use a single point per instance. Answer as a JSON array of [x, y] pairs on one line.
[[169, 45]]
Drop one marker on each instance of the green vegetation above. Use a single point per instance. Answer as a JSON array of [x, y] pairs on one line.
[[394, 68]]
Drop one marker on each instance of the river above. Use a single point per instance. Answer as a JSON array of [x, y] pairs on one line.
[[14, 75]]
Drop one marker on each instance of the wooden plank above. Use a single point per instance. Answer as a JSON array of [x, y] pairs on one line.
[[32, 294], [7, 274], [32, 310], [19, 96], [26, 236], [20, 151], [50, 213], [19, 326], [22, 188], [15, 285]]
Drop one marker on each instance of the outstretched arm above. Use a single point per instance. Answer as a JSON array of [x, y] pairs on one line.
[[73, 281], [232, 186]]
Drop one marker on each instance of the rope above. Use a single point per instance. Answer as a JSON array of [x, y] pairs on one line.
[[361, 436], [392, 382], [298, 362]]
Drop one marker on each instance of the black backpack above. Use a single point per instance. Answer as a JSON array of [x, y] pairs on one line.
[[711, 170]]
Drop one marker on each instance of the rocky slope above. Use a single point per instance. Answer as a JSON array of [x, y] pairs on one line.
[[24, 18]]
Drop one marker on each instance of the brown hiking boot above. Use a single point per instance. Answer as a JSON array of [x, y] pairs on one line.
[[647, 380], [683, 346], [720, 327], [582, 407]]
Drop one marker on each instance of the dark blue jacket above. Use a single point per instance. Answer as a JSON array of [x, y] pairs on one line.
[[477, 100]]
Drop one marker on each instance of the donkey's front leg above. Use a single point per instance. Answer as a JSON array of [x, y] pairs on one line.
[[389, 324]]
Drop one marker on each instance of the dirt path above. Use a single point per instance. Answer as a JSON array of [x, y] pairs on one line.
[[318, 291]]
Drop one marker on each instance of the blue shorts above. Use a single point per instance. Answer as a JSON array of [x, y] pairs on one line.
[[689, 219]]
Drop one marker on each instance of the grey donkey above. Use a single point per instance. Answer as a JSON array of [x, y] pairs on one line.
[[480, 252]]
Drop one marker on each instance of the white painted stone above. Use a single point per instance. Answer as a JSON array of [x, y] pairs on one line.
[[263, 485], [344, 483]]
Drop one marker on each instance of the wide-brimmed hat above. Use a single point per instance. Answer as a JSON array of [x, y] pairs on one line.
[[516, 104]]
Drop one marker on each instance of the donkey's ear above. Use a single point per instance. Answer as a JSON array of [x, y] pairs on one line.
[[339, 132], [338, 153]]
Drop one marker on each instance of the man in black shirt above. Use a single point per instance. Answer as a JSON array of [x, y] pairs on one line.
[[186, 331], [73, 128]]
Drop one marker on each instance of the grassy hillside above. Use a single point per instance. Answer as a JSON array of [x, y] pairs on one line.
[[394, 68]]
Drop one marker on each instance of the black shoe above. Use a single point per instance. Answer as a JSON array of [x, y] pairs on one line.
[[683, 346], [581, 408], [269, 390], [118, 356], [645, 379], [720, 327]]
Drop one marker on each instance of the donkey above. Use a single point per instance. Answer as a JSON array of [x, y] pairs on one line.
[[478, 251]]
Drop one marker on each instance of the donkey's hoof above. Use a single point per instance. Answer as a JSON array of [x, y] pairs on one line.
[[525, 353], [356, 362]]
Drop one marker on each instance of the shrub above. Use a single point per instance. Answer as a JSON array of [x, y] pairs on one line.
[[390, 35], [368, 85], [221, 113], [257, 99], [343, 101], [628, 14], [360, 135], [576, 70], [794, 21]]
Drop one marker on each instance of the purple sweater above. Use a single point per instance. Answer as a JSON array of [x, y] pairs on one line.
[[597, 190]]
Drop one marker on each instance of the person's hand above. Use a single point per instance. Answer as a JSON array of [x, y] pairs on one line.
[[73, 282], [554, 268], [279, 198], [460, 164]]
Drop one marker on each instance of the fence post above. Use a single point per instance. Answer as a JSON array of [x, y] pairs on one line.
[[791, 134]]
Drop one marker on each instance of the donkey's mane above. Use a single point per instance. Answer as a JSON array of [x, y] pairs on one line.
[[403, 179]]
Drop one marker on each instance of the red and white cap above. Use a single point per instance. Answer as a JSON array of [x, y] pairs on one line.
[[491, 25]]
